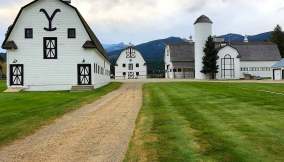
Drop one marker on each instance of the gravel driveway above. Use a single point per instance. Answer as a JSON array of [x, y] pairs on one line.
[[97, 132]]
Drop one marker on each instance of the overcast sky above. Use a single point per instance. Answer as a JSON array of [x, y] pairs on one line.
[[139, 21]]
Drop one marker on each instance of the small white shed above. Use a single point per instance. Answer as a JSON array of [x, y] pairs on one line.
[[278, 70]]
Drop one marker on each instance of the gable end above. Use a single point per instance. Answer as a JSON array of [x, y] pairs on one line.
[[95, 41]]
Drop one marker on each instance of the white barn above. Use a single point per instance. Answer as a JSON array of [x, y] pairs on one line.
[[51, 47], [237, 60], [130, 65]]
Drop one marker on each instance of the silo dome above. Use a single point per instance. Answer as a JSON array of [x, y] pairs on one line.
[[203, 19]]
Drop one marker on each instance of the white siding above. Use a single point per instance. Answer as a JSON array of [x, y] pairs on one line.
[[119, 69], [234, 54], [59, 74], [255, 68]]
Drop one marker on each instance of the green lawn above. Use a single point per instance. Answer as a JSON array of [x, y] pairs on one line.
[[2, 85], [232, 122], [22, 113]]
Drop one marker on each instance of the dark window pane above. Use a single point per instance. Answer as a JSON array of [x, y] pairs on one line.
[[71, 33], [28, 33]]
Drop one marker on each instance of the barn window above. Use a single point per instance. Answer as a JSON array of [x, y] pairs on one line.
[[123, 65], [137, 65], [179, 69], [50, 47], [228, 67], [130, 66], [28, 33], [71, 33]]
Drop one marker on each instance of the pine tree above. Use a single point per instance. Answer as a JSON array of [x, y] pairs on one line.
[[278, 38], [210, 66]]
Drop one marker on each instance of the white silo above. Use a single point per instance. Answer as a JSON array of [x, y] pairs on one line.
[[203, 29]]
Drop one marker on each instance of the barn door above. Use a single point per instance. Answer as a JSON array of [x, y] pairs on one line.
[[16, 75], [84, 74], [131, 75]]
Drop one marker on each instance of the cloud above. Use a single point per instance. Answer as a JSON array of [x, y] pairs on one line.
[[142, 20]]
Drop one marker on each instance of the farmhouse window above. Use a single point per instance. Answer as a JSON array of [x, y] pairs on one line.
[[123, 65], [137, 65], [124, 73], [50, 47], [71, 33], [28, 33], [137, 73]]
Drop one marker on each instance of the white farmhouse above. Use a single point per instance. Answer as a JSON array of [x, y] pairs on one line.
[[237, 60], [51, 47], [130, 65]]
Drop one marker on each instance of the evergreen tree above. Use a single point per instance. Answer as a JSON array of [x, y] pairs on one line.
[[278, 38], [210, 66]]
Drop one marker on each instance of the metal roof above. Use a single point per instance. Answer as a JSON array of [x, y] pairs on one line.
[[182, 52], [203, 19], [279, 64], [257, 51]]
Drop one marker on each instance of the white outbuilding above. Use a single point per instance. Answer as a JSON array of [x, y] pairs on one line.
[[278, 70], [51, 47], [130, 65]]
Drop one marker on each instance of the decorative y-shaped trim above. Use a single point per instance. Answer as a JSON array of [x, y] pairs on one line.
[[50, 18]]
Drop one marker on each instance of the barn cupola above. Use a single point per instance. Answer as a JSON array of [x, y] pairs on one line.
[[246, 39]]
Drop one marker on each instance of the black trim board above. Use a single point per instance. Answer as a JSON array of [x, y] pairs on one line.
[[90, 32]]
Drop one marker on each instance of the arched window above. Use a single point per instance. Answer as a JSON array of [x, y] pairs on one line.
[[228, 67]]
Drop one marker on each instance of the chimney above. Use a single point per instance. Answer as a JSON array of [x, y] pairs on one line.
[[246, 39], [67, 1]]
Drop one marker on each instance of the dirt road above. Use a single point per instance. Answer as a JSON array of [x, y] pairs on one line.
[[97, 132]]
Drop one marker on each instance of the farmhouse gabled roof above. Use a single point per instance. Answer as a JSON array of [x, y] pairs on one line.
[[279, 64], [257, 51], [181, 52], [90, 32]]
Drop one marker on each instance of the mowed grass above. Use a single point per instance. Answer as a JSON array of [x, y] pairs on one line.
[[184, 122], [22, 113]]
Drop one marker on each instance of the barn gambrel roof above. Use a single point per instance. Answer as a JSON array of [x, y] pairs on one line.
[[93, 43], [181, 52], [257, 51]]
